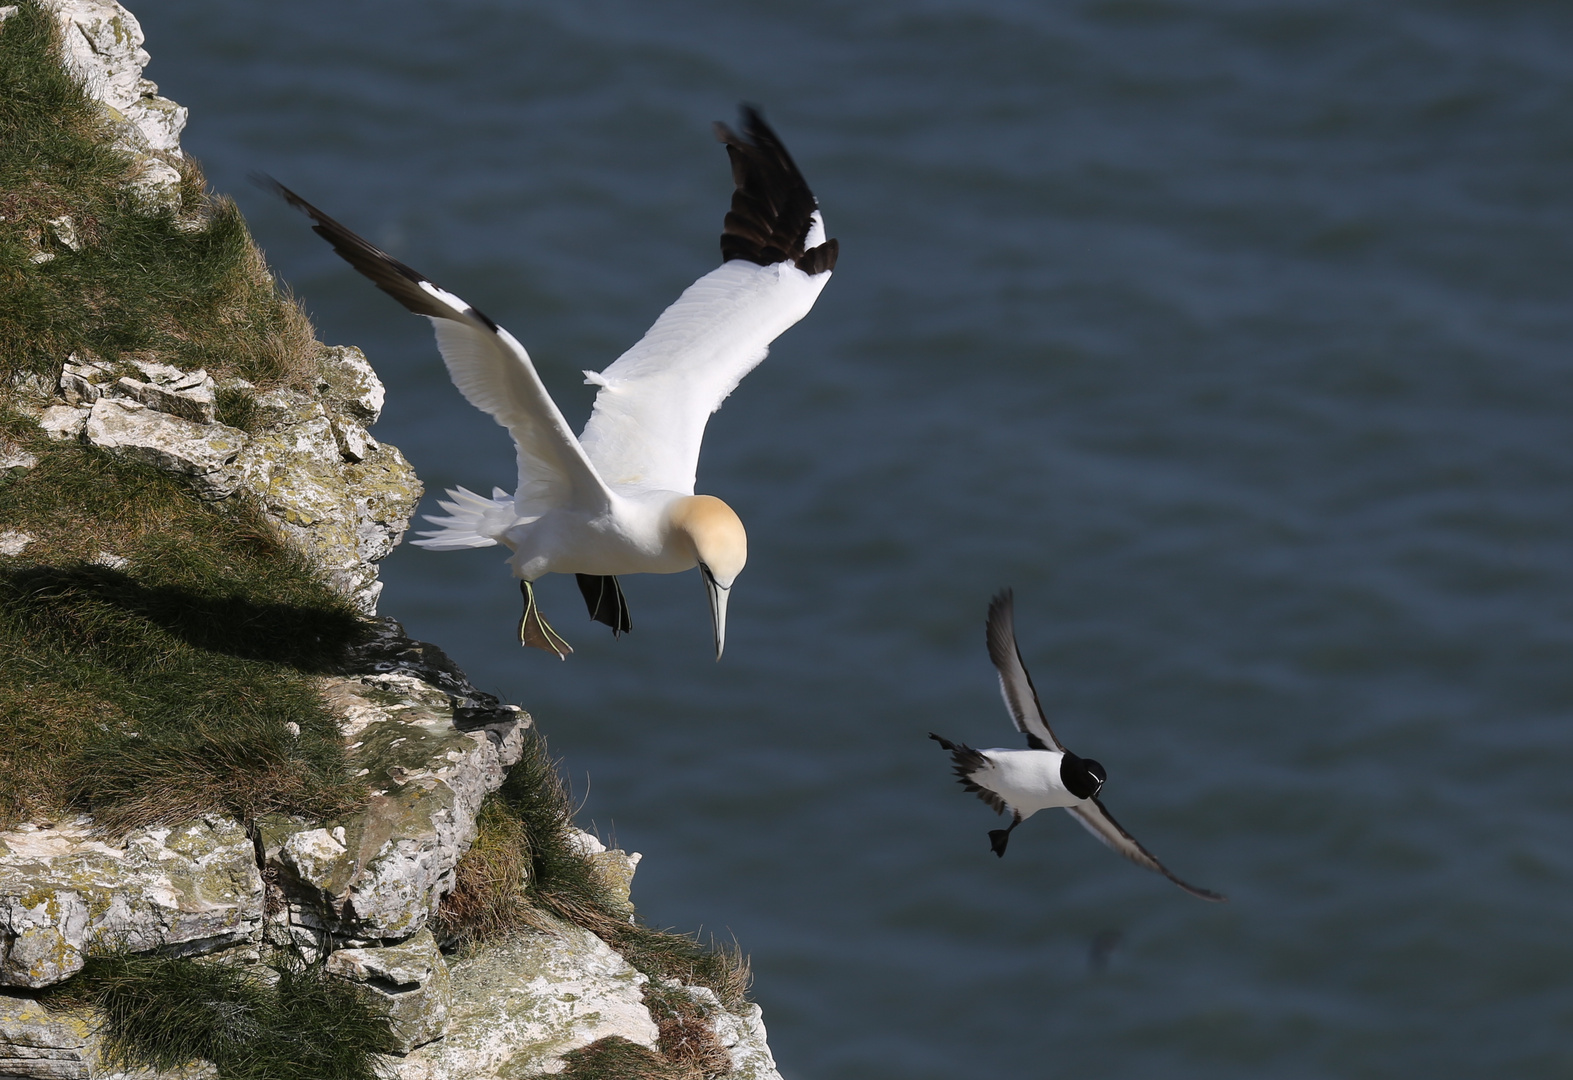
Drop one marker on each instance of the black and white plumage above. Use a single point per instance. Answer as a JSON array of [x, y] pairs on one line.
[[1022, 782], [619, 498]]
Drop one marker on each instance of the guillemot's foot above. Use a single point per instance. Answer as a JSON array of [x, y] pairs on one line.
[[535, 631], [998, 838], [604, 597]]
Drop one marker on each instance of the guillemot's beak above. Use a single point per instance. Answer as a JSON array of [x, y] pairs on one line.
[[718, 596]]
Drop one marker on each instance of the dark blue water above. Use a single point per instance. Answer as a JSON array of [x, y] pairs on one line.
[[1234, 335]]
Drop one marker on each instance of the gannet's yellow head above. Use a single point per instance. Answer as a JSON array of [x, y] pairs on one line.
[[720, 547]]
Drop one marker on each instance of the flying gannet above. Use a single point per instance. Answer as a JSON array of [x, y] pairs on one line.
[[620, 498], [1026, 781]]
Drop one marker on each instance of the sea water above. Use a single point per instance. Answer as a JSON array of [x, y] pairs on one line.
[[1233, 334]]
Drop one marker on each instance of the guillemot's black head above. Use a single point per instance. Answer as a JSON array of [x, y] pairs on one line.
[[1081, 776]]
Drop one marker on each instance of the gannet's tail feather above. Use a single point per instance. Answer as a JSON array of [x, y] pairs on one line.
[[466, 525]]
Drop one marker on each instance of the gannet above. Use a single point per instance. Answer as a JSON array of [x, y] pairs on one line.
[[620, 498], [1026, 781]]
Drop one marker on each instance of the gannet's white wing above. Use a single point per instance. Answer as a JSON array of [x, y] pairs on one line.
[[655, 400], [492, 371], [1096, 820], [1021, 699]]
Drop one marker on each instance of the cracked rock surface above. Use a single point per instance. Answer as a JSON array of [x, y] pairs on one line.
[[330, 488], [191, 889], [519, 1006], [379, 875]]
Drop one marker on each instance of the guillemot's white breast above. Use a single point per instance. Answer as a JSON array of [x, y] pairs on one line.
[[1022, 782]]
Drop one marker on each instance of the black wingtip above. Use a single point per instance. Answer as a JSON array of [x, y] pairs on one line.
[[1000, 625], [772, 208], [1200, 894], [393, 277], [262, 180]]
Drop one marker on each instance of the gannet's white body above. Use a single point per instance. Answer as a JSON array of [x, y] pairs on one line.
[[1046, 775], [619, 499]]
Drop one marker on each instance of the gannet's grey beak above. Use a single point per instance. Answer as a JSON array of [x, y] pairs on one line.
[[718, 597]]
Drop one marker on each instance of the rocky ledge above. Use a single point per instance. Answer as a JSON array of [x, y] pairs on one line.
[[356, 893]]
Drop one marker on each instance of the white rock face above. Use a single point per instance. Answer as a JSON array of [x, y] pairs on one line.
[[411, 978], [103, 44], [195, 888], [63, 422], [332, 490], [743, 1035], [35, 1042], [519, 1006], [205, 453], [81, 377], [13, 542], [14, 459], [187, 394], [380, 875]]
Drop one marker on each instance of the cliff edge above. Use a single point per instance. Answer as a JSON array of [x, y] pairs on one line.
[[247, 827]]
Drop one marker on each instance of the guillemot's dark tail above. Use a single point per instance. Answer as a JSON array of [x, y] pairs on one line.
[[968, 763]]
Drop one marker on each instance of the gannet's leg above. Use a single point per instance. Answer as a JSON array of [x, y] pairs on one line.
[[604, 597], [998, 838], [534, 631]]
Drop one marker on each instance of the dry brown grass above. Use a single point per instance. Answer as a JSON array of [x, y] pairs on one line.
[[489, 898], [616, 1058], [687, 1034]]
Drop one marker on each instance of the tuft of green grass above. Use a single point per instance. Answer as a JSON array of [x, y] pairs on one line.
[[153, 690], [295, 1023], [237, 407], [187, 285], [490, 897], [525, 862]]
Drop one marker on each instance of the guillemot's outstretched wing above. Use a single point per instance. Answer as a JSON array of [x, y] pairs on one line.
[[1096, 820], [1021, 699]]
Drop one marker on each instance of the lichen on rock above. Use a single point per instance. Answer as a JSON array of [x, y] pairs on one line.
[[66, 891]]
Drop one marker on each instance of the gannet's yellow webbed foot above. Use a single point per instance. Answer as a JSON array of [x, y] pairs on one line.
[[535, 631]]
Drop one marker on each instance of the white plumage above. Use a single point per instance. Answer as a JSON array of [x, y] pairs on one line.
[[619, 499]]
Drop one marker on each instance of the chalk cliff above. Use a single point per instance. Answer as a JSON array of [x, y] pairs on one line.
[[361, 893]]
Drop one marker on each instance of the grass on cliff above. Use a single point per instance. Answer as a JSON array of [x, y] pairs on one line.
[[524, 863], [152, 647], [187, 287], [298, 1023], [617, 1058], [158, 688]]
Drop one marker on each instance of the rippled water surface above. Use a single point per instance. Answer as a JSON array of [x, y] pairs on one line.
[[1234, 335]]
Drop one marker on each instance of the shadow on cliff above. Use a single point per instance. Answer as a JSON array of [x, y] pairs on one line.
[[96, 608], [151, 703]]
